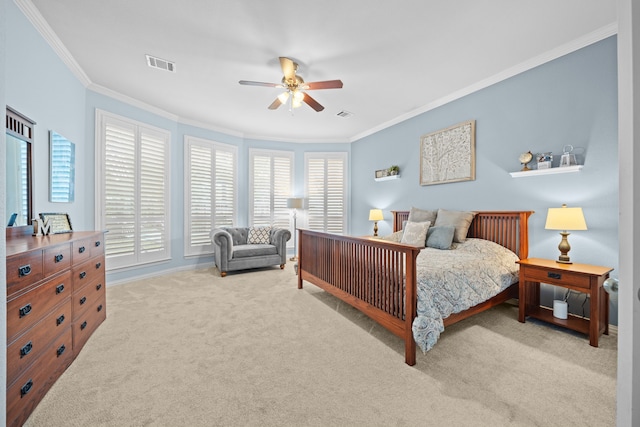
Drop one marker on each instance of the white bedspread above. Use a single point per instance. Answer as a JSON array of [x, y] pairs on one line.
[[450, 281]]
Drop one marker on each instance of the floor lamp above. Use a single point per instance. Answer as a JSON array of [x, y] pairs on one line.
[[295, 203]]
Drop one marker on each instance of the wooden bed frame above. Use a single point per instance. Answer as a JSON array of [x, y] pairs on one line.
[[372, 274]]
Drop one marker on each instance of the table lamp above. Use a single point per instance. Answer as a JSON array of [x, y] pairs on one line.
[[565, 219], [375, 215]]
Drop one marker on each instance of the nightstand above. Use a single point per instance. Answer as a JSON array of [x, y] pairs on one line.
[[583, 278]]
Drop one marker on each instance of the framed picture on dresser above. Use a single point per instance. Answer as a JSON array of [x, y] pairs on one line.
[[58, 222]]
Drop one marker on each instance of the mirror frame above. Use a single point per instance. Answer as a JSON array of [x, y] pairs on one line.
[[21, 127]]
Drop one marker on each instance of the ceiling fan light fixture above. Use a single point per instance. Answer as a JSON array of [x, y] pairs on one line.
[[283, 97]]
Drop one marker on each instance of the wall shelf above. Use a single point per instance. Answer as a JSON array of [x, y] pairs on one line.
[[550, 171], [387, 178]]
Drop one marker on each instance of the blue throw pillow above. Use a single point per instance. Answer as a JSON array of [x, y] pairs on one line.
[[440, 237]]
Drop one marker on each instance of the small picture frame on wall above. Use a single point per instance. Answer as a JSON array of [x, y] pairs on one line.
[[545, 160], [58, 222]]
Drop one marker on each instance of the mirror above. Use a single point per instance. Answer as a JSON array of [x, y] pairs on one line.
[[19, 197], [62, 155]]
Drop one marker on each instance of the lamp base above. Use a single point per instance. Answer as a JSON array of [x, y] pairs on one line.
[[560, 261], [564, 248]]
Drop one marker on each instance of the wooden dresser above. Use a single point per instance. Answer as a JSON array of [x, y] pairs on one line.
[[55, 301]]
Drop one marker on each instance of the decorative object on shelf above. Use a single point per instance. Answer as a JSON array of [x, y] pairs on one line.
[[568, 158], [375, 215], [525, 159], [545, 160], [394, 170], [41, 227], [565, 219], [295, 203], [560, 309], [448, 155], [58, 222]]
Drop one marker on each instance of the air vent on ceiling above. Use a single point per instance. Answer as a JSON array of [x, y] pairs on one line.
[[161, 64], [345, 114]]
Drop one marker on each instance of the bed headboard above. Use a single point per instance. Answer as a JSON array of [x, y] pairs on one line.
[[507, 228]]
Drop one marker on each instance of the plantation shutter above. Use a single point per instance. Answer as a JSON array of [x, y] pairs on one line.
[[210, 196], [326, 191], [270, 185], [133, 205]]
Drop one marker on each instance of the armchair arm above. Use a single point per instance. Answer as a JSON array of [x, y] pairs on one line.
[[279, 238], [223, 245]]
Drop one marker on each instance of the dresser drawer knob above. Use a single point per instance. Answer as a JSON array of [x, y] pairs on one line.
[[83, 274], [60, 350], [83, 300], [552, 275], [98, 265], [25, 270], [98, 286], [25, 310], [97, 243], [84, 325], [59, 320], [58, 258], [26, 349], [60, 288], [26, 388], [99, 308], [81, 249]]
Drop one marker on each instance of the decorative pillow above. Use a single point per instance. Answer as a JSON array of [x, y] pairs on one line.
[[393, 237], [415, 233], [259, 235], [440, 237], [421, 215], [459, 219]]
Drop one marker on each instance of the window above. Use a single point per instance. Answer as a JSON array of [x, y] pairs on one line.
[[133, 201], [270, 184], [210, 192], [326, 191]]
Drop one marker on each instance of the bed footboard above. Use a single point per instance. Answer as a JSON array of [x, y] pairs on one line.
[[368, 274]]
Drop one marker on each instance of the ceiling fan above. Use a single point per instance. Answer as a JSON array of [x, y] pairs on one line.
[[295, 87]]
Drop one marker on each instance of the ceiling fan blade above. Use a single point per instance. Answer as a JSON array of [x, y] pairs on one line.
[[275, 104], [329, 84], [288, 68], [312, 103], [250, 83]]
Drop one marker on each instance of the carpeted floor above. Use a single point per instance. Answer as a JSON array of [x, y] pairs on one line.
[[251, 349]]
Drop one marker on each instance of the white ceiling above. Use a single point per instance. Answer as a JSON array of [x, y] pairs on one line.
[[396, 58]]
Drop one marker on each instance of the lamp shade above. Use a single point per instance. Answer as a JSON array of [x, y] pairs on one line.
[[565, 218], [295, 203], [375, 215]]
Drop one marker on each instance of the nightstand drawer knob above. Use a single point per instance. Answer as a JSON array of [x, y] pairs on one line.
[[552, 275]]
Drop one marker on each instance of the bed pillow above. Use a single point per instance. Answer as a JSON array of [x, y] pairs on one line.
[[459, 219], [440, 237], [259, 235], [421, 215], [415, 233]]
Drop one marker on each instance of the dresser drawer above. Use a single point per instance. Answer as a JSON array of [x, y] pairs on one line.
[[57, 259], [30, 387], [87, 297], [28, 309], [87, 272], [27, 347], [561, 278], [97, 246], [88, 321], [82, 250], [24, 270]]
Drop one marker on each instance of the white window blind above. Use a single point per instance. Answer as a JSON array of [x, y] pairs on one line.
[[326, 191], [210, 194], [133, 200], [271, 183]]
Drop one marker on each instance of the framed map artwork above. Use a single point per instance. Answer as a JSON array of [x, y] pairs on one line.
[[448, 155]]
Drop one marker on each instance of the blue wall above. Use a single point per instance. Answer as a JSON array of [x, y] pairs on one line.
[[571, 100]]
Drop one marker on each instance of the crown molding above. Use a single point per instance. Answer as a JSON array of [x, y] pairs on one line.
[[565, 49], [45, 30]]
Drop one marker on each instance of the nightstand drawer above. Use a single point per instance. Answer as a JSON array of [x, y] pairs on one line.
[[555, 277]]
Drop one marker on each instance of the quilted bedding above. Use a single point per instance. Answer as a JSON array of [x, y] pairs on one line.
[[450, 281]]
